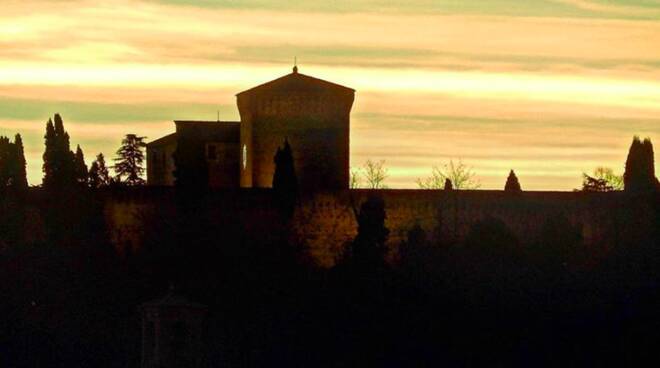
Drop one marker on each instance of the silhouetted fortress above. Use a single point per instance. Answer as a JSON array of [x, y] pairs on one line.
[[324, 222], [312, 114]]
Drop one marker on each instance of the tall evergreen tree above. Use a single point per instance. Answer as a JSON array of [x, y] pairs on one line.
[[130, 158], [49, 168], [5, 163], [512, 184], [98, 173], [285, 183], [80, 166], [59, 165], [640, 168], [649, 162], [20, 170], [12, 164], [284, 178], [13, 183]]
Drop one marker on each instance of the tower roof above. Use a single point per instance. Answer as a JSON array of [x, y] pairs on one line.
[[163, 141], [296, 81]]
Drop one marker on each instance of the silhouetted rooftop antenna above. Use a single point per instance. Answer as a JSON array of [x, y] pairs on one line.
[[218, 116], [295, 64]]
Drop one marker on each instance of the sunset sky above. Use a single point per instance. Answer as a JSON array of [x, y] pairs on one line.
[[549, 88]]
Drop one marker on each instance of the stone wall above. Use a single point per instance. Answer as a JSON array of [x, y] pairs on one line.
[[323, 223]]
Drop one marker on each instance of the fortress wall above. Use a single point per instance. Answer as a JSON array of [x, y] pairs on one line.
[[324, 223], [126, 211]]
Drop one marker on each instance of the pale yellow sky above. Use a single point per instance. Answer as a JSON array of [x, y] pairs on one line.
[[550, 88]]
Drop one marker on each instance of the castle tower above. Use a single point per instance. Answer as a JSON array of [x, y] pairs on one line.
[[313, 114]]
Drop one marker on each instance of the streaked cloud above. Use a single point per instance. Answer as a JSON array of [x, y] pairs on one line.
[[564, 82]]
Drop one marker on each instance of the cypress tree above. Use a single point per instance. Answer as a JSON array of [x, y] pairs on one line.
[[5, 163], [93, 179], [59, 167], [284, 178], [640, 168], [13, 182], [285, 183], [20, 173], [512, 184], [80, 166], [49, 167], [649, 163]]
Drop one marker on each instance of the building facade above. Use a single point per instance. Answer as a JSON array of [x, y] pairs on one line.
[[312, 114]]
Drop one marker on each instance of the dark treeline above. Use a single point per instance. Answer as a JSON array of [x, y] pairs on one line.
[[487, 300]]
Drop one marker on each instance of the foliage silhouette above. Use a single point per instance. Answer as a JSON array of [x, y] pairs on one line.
[[368, 248], [99, 176], [284, 178], [130, 157], [512, 184], [12, 166], [613, 180], [460, 175], [375, 174], [592, 184], [285, 182], [640, 167], [13, 190], [59, 165], [80, 167], [602, 180], [18, 171]]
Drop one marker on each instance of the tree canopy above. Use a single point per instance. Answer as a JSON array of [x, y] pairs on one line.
[[59, 162], [368, 247], [640, 167], [80, 167], [129, 161], [512, 183], [12, 164], [460, 175], [375, 174], [99, 175]]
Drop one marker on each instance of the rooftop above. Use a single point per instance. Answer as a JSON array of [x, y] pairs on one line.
[[163, 141], [296, 80]]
